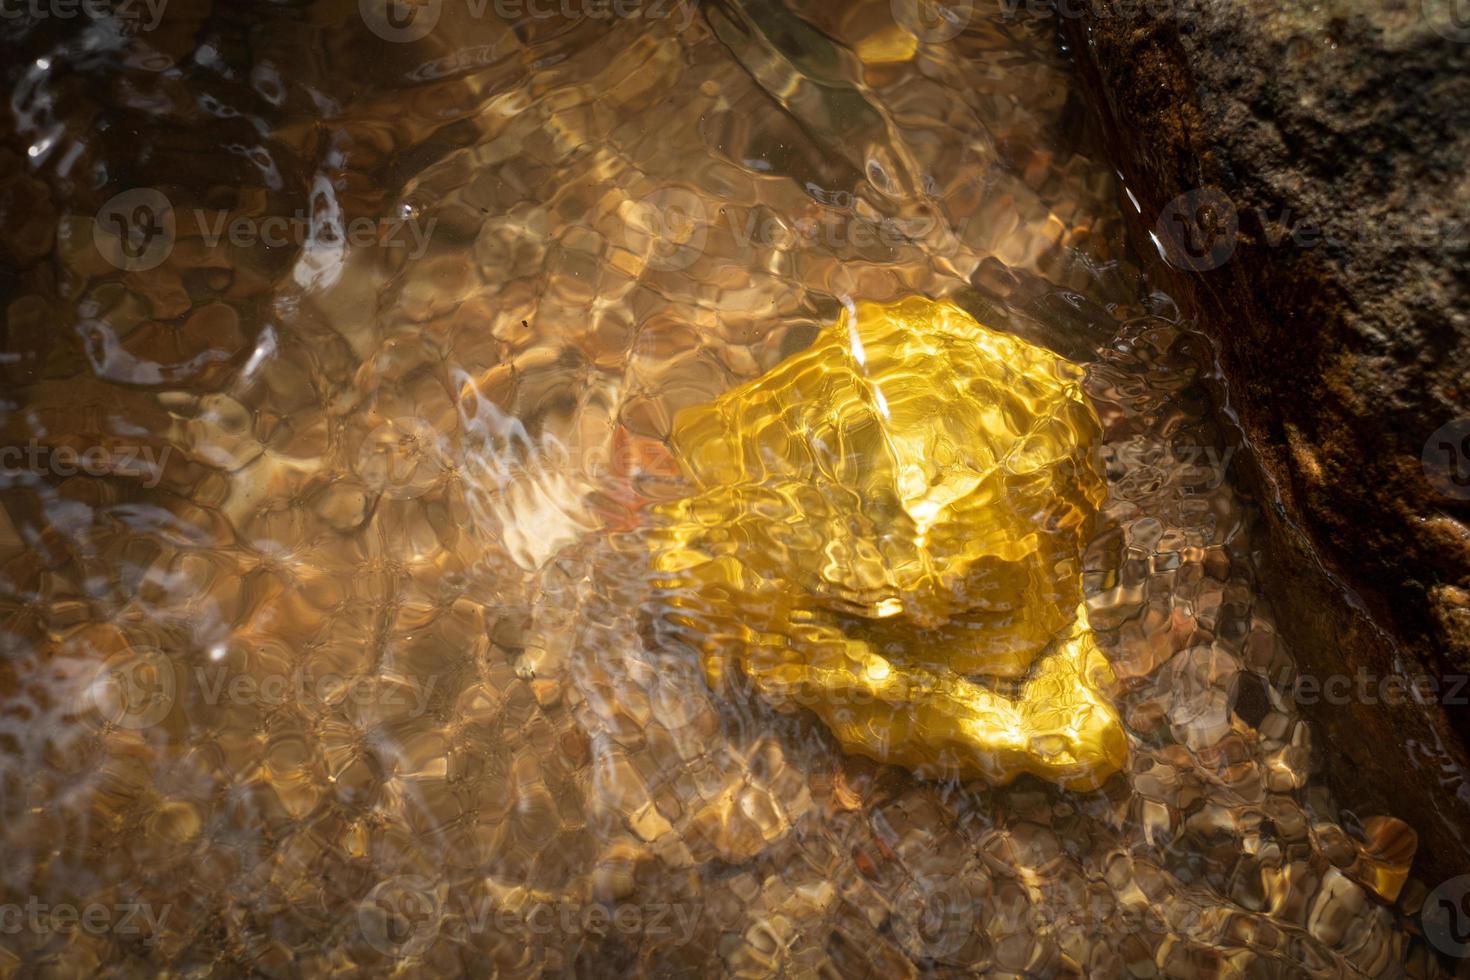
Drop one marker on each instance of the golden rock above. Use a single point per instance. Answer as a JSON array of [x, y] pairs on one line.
[[887, 529]]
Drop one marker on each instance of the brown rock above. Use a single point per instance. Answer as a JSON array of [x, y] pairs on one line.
[[1302, 168]]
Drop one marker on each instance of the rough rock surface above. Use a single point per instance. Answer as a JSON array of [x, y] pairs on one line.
[[1302, 168]]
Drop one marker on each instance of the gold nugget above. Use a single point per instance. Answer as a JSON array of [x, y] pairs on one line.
[[887, 529]]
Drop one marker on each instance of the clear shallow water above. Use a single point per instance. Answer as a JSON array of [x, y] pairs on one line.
[[336, 652]]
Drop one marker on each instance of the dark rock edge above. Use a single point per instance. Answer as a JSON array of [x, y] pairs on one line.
[[1339, 137]]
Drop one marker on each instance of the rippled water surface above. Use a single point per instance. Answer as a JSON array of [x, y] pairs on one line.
[[327, 640]]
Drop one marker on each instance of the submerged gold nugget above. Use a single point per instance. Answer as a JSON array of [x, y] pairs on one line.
[[884, 518]]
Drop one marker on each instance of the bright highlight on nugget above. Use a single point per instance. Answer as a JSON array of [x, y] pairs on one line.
[[887, 529]]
